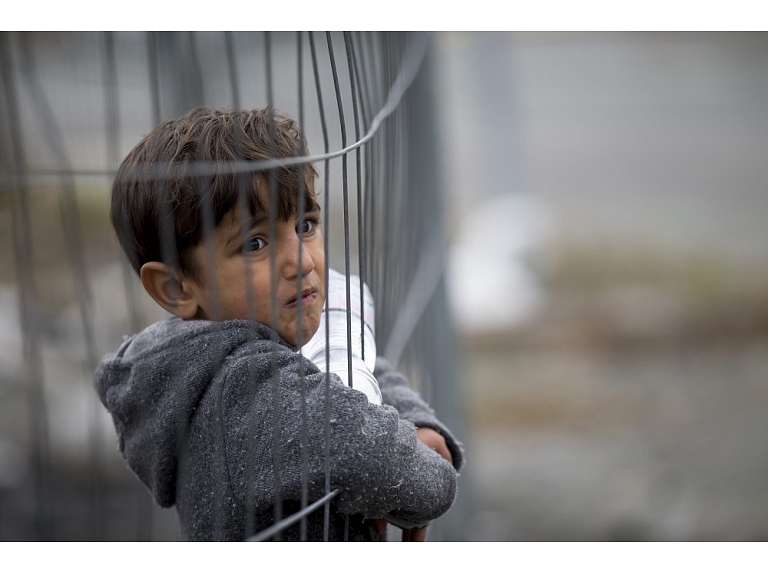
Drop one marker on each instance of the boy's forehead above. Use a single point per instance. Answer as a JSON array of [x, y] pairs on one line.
[[267, 200], [263, 213], [267, 191]]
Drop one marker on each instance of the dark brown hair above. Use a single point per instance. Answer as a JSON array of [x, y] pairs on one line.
[[162, 204]]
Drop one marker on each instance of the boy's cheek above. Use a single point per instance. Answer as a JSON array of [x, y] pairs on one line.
[[311, 325]]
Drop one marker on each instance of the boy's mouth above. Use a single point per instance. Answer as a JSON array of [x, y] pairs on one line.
[[308, 296]]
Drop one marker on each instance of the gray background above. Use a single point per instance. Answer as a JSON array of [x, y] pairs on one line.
[[606, 199]]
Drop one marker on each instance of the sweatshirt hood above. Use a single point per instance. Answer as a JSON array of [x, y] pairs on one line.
[[152, 385]]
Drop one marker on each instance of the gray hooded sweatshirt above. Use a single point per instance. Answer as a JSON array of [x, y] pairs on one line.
[[225, 421]]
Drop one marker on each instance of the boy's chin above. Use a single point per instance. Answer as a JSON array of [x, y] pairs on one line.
[[311, 326], [309, 331]]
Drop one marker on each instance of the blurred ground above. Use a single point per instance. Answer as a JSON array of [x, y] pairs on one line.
[[614, 439]]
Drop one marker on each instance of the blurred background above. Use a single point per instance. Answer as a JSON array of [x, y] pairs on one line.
[[602, 208], [609, 196]]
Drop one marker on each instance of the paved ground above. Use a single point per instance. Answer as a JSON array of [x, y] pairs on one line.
[[589, 445]]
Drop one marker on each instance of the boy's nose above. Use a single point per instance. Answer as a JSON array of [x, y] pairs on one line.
[[291, 264]]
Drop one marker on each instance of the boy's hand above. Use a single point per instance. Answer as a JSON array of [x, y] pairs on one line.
[[419, 534], [380, 527], [433, 439]]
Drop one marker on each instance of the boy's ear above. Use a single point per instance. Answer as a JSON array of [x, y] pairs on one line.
[[174, 294]]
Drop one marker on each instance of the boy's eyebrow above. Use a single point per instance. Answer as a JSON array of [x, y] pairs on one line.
[[238, 235]]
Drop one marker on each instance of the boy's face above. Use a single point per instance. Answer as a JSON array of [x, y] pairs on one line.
[[236, 274]]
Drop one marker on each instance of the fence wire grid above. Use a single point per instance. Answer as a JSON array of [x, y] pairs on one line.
[[73, 105]]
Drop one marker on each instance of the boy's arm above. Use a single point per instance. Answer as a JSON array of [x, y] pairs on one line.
[[375, 457], [396, 392]]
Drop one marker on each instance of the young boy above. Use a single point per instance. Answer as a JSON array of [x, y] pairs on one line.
[[214, 410]]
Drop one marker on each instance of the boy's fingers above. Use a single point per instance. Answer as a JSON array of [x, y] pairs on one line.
[[419, 534], [433, 439], [379, 525], [444, 451]]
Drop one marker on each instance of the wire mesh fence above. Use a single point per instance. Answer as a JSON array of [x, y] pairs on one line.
[[72, 107]]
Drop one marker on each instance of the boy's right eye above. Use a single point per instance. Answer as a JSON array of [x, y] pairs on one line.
[[254, 244]]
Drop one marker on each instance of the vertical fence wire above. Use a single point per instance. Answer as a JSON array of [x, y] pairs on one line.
[[303, 526], [33, 382], [68, 207], [275, 379], [350, 65], [326, 247], [371, 101], [111, 107], [234, 78]]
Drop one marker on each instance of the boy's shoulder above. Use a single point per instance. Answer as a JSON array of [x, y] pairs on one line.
[[177, 356], [196, 338]]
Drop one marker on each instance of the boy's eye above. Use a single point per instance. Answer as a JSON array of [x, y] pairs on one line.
[[305, 227], [254, 244]]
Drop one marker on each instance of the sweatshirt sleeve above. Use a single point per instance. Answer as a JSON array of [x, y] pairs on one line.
[[396, 391], [374, 457]]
